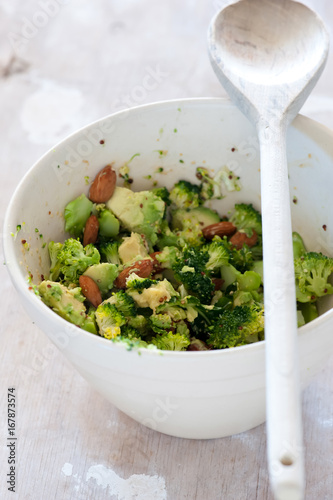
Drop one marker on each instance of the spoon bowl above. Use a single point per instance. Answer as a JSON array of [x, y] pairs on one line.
[[269, 55], [268, 44]]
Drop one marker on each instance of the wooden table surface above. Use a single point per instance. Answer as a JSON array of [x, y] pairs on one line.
[[63, 64]]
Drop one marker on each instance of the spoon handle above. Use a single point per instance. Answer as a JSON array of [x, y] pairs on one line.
[[283, 404]]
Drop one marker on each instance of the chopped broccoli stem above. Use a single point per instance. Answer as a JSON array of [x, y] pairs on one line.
[[77, 213], [309, 311], [108, 224], [298, 245]]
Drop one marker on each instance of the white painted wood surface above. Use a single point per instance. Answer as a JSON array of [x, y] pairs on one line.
[[64, 63]]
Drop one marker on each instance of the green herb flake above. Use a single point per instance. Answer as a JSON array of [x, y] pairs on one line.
[[18, 229], [161, 152]]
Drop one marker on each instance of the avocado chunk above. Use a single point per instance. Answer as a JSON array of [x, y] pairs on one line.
[[103, 274], [67, 303], [202, 216], [132, 249], [139, 212]]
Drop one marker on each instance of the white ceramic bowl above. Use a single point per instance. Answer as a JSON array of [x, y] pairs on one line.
[[186, 394]]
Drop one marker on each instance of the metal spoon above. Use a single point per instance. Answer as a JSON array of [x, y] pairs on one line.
[[269, 55]]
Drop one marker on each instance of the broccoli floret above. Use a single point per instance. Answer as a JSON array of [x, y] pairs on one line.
[[242, 259], [167, 257], [187, 224], [188, 308], [211, 186], [109, 252], [76, 215], [239, 326], [219, 253], [139, 323], [171, 342], [190, 269], [131, 337], [184, 194], [67, 303], [71, 260], [117, 318], [182, 329], [135, 282], [246, 218], [166, 237], [161, 323], [190, 235], [174, 309], [229, 179], [54, 249], [109, 320], [209, 189], [163, 193], [312, 271], [124, 303]]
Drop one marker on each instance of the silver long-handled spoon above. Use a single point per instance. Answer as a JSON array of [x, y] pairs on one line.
[[269, 54]]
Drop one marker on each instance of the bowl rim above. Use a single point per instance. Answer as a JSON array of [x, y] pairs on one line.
[[22, 286]]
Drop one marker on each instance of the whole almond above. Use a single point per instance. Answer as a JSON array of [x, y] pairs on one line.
[[90, 290], [91, 230], [103, 185], [223, 228], [240, 238], [142, 268]]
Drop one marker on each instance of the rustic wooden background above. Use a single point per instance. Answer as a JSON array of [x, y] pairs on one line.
[[63, 64]]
